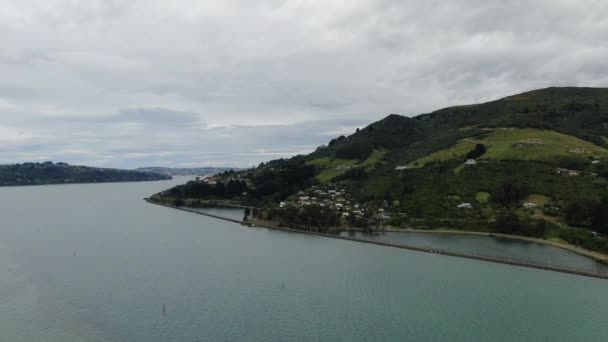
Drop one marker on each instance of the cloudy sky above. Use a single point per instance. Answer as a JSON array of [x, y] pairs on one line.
[[236, 82]]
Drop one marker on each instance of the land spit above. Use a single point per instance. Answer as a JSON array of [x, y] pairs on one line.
[[401, 246]]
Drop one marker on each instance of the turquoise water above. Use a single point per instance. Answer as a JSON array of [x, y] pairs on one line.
[[97, 263]]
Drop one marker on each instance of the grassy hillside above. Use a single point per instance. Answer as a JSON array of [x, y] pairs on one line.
[[331, 167], [518, 144], [541, 167]]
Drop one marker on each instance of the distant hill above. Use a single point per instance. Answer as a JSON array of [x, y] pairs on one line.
[[62, 173], [195, 171], [533, 164]]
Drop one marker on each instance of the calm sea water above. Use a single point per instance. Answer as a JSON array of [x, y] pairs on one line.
[[97, 263], [491, 247]]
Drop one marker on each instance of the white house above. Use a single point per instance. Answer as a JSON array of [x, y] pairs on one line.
[[470, 162], [282, 204], [401, 167], [529, 205], [465, 206], [595, 162]]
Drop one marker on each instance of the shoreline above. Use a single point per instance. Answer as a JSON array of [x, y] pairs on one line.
[[408, 247], [599, 257]]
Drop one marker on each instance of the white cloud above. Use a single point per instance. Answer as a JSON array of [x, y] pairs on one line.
[[115, 79]]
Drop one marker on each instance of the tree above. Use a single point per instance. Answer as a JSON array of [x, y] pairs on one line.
[[581, 212], [507, 222], [477, 152], [247, 213], [510, 191]]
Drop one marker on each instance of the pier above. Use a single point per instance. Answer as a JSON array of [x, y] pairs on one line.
[[408, 247]]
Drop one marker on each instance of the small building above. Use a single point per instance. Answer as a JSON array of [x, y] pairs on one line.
[[595, 162], [567, 172], [304, 198], [465, 205], [470, 162], [580, 150], [282, 205], [529, 205], [401, 168]]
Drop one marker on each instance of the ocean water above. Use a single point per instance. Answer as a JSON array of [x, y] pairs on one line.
[[97, 263]]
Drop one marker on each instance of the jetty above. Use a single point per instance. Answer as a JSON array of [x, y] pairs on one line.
[[403, 246]]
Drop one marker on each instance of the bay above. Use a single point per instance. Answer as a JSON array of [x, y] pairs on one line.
[[94, 262]]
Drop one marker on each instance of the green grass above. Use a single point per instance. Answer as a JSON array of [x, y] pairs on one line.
[[482, 197], [457, 151], [501, 145], [328, 162], [375, 157], [538, 199], [328, 165]]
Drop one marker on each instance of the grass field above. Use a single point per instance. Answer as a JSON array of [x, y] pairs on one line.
[[538, 199], [482, 197], [329, 165], [528, 144]]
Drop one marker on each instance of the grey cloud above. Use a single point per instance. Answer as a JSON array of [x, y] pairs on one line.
[[111, 82]]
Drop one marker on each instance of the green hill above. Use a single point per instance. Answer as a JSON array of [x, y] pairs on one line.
[[62, 173], [522, 144], [539, 167]]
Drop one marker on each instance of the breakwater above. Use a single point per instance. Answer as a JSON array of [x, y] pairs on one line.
[[408, 247]]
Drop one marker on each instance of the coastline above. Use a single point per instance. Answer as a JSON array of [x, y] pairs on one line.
[[599, 257], [408, 247]]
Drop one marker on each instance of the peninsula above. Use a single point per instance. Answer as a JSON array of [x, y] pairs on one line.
[[533, 164], [63, 173]]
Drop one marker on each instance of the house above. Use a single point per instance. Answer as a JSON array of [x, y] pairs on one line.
[[465, 206], [471, 162], [580, 150], [401, 168], [338, 206], [282, 204], [567, 172], [595, 162], [529, 205]]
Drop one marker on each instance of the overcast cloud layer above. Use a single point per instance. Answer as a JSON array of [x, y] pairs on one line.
[[237, 82]]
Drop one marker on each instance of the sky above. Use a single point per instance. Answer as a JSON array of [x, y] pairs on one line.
[[236, 82]]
